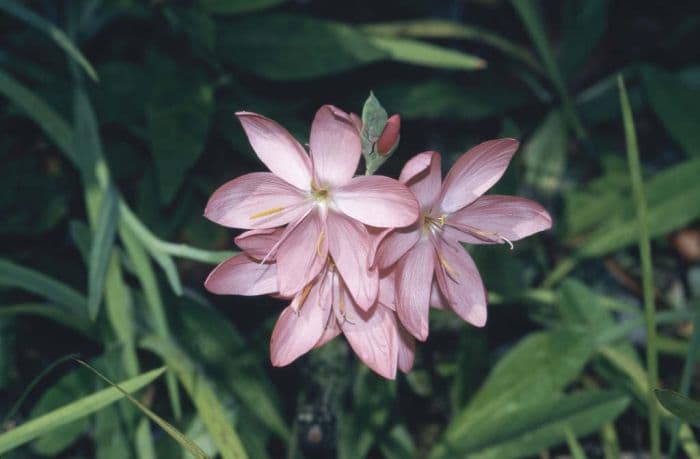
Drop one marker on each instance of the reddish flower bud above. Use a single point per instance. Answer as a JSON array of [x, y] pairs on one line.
[[390, 135]]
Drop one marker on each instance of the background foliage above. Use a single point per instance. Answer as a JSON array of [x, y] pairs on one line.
[[117, 124]]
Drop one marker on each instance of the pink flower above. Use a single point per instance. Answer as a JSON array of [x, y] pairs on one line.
[[319, 312], [431, 265], [324, 207]]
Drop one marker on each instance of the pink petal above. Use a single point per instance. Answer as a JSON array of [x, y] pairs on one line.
[[437, 299], [276, 147], [335, 146], [376, 236], [373, 335], [495, 218], [475, 172], [259, 243], [460, 283], [301, 255], [348, 244], [387, 290], [298, 332], [396, 244], [407, 350], [423, 176], [377, 201], [332, 330], [241, 275], [256, 200], [414, 276]]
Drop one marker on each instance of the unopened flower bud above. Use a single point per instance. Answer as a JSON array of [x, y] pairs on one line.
[[390, 135]]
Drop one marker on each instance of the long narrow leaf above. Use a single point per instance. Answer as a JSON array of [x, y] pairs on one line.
[[73, 411], [101, 249], [13, 275], [426, 54], [185, 442], [681, 406], [203, 396], [55, 127], [56, 34]]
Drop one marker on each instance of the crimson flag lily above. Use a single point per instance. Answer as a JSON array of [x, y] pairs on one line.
[[317, 197], [430, 264]]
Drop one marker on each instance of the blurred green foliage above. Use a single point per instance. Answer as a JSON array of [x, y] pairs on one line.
[[118, 122]]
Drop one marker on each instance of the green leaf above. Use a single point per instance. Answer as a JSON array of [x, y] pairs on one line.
[[55, 127], [237, 6], [532, 372], [681, 406], [442, 29], [101, 250], [292, 47], [177, 122], [53, 312], [583, 26], [575, 448], [677, 105], [16, 276], [542, 426], [534, 25], [185, 442], [545, 155], [203, 396], [73, 411], [56, 34], [154, 301], [427, 55]]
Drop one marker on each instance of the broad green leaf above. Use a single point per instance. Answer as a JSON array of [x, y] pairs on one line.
[[16, 276], [426, 54], [677, 106], [681, 406], [583, 26], [533, 371], [101, 249], [203, 396], [237, 6], [110, 436], [154, 301], [177, 122], [672, 200], [57, 35], [545, 154], [73, 411], [445, 100], [443, 29], [55, 127], [542, 426], [292, 47]]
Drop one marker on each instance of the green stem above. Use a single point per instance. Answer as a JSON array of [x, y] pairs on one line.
[[647, 271]]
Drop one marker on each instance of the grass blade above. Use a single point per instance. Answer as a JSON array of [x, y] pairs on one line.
[[574, 446], [56, 34], [148, 281], [73, 411], [55, 127], [13, 275], [426, 54], [533, 24], [681, 406], [647, 271], [202, 394], [101, 249], [185, 442]]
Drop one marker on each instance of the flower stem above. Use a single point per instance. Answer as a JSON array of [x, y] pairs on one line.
[[647, 272]]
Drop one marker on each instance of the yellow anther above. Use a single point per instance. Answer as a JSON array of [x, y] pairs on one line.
[[304, 293], [267, 212], [441, 220], [447, 266], [321, 236]]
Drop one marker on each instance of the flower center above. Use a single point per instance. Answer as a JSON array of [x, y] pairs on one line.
[[320, 194], [432, 224]]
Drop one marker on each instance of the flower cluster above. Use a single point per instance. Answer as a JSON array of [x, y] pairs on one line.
[[364, 256]]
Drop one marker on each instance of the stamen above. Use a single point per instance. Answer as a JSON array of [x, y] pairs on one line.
[[321, 236], [507, 241], [447, 266], [267, 212]]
